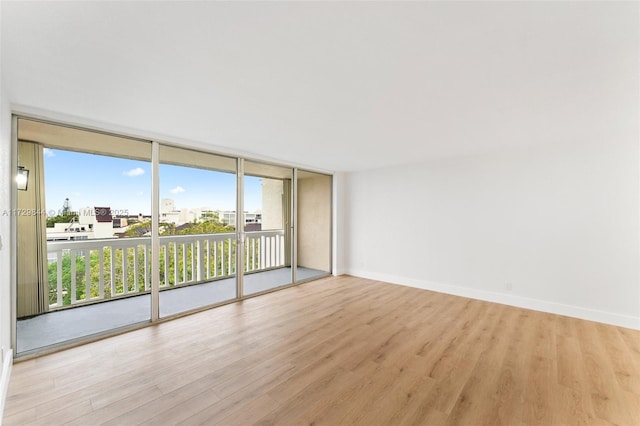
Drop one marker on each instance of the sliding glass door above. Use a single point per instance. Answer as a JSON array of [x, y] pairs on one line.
[[197, 228], [81, 239], [268, 227]]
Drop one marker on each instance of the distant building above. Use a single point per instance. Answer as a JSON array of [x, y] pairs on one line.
[[228, 217], [120, 222], [69, 232], [167, 205], [170, 214], [92, 223], [99, 219]]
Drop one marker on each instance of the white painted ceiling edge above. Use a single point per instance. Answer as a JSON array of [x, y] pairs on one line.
[[335, 86]]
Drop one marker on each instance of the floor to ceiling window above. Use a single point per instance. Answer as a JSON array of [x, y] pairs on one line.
[[268, 227], [224, 228], [197, 230], [84, 194]]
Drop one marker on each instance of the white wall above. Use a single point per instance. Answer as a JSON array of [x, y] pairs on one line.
[[5, 235], [339, 263], [272, 191], [557, 222], [5, 220]]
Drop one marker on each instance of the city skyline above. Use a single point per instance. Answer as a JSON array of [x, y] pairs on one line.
[[91, 180]]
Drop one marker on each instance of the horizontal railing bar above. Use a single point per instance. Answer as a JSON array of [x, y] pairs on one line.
[[54, 246], [118, 243]]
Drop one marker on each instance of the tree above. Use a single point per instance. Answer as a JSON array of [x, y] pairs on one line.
[[211, 226], [178, 258], [140, 229]]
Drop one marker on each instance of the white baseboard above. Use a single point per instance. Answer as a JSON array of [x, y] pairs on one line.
[[507, 299], [4, 380]]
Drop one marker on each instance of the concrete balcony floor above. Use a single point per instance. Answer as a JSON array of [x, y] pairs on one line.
[[75, 323]]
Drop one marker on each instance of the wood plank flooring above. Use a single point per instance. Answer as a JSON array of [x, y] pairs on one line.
[[337, 351]]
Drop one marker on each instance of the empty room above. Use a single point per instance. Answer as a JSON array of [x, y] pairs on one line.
[[327, 213]]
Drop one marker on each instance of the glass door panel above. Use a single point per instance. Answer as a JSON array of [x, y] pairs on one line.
[[267, 226], [197, 230], [82, 270], [313, 225]]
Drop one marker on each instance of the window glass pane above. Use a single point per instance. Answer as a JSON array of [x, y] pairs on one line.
[[197, 230], [267, 225], [83, 250]]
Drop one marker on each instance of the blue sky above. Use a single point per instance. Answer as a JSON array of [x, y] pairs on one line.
[[90, 180]]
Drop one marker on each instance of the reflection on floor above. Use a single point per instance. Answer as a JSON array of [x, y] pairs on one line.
[[60, 326]]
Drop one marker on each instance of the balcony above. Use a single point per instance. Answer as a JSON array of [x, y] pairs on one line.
[[121, 267], [100, 285]]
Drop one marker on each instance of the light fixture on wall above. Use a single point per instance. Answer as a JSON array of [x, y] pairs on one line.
[[22, 178]]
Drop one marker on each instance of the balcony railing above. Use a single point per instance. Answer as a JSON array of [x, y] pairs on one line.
[[88, 271]]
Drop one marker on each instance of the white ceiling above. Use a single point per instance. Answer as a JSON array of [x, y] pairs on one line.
[[334, 86]]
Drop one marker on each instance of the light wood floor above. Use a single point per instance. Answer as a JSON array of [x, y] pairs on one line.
[[342, 351]]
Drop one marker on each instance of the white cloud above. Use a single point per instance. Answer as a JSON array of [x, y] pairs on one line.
[[49, 152], [178, 189], [134, 172]]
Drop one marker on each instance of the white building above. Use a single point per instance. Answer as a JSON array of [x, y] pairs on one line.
[[167, 205], [228, 217], [92, 223], [69, 231], [170, 214]]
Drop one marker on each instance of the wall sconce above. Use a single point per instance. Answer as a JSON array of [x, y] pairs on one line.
[[22, 178]]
